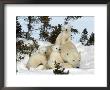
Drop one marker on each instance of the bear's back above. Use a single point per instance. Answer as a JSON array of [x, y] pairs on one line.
[[68, 46], [36, 59]]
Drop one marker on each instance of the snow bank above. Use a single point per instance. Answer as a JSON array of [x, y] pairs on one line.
[[21, 65], [87, 56], [44, 43]]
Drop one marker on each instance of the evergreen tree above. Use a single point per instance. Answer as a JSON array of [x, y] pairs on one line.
[[91, 39], [84, 37], [75, 31], [30, 20], [72, 18], [18, 29], [44, 33], [59, 70], [53, 35], [29, 26]]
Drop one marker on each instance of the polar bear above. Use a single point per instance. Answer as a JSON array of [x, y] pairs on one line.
[[54, 57], [49, 51], [66, 65], [39, 58], [64, 36], [70, 54]]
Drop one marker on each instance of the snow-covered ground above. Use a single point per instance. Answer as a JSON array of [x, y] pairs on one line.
[[86, 64], [72, 71]]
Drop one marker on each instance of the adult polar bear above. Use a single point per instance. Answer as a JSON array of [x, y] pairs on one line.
[[64, 36], [69, 52]]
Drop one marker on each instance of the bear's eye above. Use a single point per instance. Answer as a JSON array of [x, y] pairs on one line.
[[56, 48], [67, 53], [71, 35], [66, 29], [73, 60]]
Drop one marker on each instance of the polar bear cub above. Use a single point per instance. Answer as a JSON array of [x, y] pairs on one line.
[[39, 58], [54, 57], [64, 36]]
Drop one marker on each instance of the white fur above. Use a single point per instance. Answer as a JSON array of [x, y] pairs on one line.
[[54, 57], [64, 36], [38, 58], [49, 51], [66, 65], [70, 54]]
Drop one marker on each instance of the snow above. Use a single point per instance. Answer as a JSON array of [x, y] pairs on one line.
[[21, 65], [87, 56], [86, 64], [44, 43], [50, 72]]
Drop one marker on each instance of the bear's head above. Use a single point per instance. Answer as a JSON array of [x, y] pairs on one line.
[[42, 50], [73, 58], [66, 29], [56, 48]]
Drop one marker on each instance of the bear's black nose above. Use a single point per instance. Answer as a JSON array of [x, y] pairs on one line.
[[59, 49]]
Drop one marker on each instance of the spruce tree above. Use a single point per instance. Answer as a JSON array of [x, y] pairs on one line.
[[30, 20], [84, 37], [59, 70], [18, 29], [53, 35], [91, 39], [44, 33], [72, 18]]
